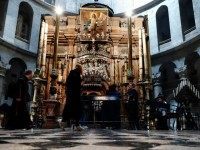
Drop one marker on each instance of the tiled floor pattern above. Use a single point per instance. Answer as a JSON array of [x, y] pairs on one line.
[[98, 139]]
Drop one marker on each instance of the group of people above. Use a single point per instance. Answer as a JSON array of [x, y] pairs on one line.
[[168, 114], [17, 115], [73, 111]]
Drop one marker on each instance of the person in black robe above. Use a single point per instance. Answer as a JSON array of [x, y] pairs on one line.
[[111, 108], [72, 109], [132, 107], [19, 117], [161, 110]]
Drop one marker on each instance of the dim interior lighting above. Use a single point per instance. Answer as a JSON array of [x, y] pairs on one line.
[[58, 10]]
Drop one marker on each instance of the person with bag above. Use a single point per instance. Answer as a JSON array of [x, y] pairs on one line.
[[19, 117]]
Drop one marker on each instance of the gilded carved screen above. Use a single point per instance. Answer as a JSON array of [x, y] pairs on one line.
[[93, 23]]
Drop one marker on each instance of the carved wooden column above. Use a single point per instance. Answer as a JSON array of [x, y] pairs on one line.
[[140, 56], [44, 51], [118, 72], [40, 51], [71, 52]]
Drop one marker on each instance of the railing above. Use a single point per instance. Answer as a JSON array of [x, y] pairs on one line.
[[189, 30], [103, 111]]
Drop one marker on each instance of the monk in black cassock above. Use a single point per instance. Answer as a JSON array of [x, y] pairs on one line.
[[72, 110], [132, 107], [19, 117]]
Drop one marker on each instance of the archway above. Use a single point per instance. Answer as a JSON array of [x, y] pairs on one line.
[[191, 62], [169, 78]]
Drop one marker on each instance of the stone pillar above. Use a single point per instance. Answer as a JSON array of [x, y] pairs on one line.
[[2, 92], [2, 82], [157, 85]]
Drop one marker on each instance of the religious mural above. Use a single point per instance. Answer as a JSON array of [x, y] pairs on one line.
[[93, 23]]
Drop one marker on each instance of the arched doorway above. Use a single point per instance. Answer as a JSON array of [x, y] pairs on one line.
[[191, 63], [169, 78], [17, 68]]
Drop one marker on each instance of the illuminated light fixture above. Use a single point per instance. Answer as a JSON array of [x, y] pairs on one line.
[[129, 11], [58, 10]]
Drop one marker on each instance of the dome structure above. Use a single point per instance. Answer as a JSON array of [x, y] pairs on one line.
[[118, 6]]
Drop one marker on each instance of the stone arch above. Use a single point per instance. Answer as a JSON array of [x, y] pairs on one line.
[[169, 78], [163, 26], [17, 67], [187, 15], [3, 8], [24, 21], [191, 62]]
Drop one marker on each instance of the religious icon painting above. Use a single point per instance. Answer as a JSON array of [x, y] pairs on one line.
[[93, 24]]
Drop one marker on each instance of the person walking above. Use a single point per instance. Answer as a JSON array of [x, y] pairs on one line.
[[72, 110]]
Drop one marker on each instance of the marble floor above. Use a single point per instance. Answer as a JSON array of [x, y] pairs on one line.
[[98, 139]]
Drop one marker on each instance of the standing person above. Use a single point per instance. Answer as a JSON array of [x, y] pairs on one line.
[[173, 113], [132, 107], [19, 117], [112, 91], [161, 109], [112, 108], [72, 110]]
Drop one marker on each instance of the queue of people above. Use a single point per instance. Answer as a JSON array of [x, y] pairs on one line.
[[17, 115]]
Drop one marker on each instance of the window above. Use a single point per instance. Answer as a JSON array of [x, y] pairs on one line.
[[3, 8], [24, 21], [52, 2], [187, 15], [163, 28]]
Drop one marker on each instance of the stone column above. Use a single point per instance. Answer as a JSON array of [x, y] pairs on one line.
[[2, 82], [157, 85], [2, 88]]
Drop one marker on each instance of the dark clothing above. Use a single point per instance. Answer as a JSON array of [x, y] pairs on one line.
[[19, 117], [72, 108], [133, 109], [115, 94], [161, 110], [111, 110]]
